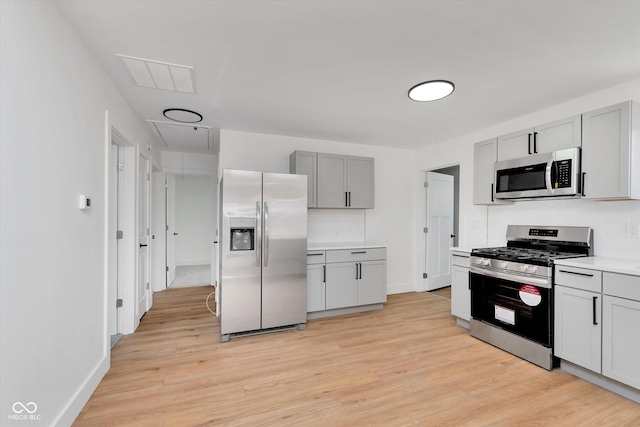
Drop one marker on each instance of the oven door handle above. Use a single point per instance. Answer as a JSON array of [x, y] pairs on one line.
[[538, 281]]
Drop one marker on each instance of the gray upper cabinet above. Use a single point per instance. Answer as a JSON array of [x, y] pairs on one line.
[[360, 178], [610, 153], [484, 156], [332, 181], [345, 181], [557, 135], [305, 163]]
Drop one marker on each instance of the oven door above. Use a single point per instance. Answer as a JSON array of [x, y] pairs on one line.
[[520, 308]]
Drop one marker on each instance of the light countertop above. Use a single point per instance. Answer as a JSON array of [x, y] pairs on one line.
[[460, 249], [342, 245], [612, 265]]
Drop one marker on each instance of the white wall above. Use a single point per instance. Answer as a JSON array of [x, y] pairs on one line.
[[193, 220], [390, 223], [486, 226], [52, 255]]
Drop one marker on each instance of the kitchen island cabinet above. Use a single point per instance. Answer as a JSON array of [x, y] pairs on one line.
[[597, 313], [342, 281]]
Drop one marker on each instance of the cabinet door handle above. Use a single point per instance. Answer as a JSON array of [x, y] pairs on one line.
[[584, 174], [576, 273], [359, 252], [356, 271], [360, 268], [535, 143], [529, 144], [324, 274], [595, 321], [460, 256], [492, 200], [314, 254], [346, 199], [349, 198]]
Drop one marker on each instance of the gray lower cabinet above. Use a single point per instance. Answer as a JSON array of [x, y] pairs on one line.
[[620, 320], [346, 279], [578, 327], [596, 322], [460, 292], [342, 289], [316, 276]]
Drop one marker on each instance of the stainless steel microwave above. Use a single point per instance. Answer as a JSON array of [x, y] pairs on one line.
[[555, 174]]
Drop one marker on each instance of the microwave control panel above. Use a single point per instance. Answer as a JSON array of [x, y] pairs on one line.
[[563, 176]]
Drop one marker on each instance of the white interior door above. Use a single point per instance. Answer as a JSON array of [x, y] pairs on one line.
[[439, 220], [171, 228], [114, 171], [142, 282]]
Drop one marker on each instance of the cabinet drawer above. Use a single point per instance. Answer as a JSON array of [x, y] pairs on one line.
[[345, 255], [461, 259], [315, 257], [578, 278], [621, 285]]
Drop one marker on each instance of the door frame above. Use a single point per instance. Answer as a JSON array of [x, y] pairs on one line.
[[215, 210], [127, 261], [423, 215]]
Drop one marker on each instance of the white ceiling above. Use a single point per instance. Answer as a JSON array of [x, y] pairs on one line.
[[340, 70]]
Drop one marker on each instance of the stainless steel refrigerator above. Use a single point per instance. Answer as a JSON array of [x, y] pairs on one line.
[[263, 282]]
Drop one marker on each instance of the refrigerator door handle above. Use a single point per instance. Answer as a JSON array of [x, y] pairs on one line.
[[257, 243], [266, 234]]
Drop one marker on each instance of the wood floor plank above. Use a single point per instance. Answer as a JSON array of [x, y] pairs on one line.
[[406, 365]]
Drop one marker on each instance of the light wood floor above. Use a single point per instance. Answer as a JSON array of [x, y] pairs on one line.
[[406, 365]]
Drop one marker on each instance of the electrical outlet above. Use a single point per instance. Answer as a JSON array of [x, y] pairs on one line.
[[632, 229]]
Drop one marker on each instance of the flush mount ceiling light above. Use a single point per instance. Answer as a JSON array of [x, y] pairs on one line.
[[181, 115], [431, 90]]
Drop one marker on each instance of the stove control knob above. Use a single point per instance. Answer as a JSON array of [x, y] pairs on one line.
[[523, 268], [479, 261], [503, 264], [486, 262], [532, 269]]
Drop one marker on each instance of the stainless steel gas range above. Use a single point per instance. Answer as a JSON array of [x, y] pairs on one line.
[[512, 288]]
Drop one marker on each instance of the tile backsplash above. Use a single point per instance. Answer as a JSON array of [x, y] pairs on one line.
[[607, 219], [336, 225]]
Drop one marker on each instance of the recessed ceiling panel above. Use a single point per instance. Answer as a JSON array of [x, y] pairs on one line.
[[184, 138]]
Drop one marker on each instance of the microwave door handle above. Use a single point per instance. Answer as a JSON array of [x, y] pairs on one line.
[[547, 176]]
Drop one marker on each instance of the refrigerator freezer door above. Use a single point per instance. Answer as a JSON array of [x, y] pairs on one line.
[[240, 288], [284, 260]]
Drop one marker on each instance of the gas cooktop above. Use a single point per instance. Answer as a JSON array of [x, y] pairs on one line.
[[524, 255]]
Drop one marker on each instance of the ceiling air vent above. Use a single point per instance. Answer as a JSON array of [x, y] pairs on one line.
[[159, 75]]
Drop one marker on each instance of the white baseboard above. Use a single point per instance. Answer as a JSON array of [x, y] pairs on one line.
[[70, 412], [400, 288], [196, 261]]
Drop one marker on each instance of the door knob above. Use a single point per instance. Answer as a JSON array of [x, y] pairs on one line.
[[453, 235], [143, 246]]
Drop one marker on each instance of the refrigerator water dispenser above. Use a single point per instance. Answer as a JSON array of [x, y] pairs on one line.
[[242, 234]]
